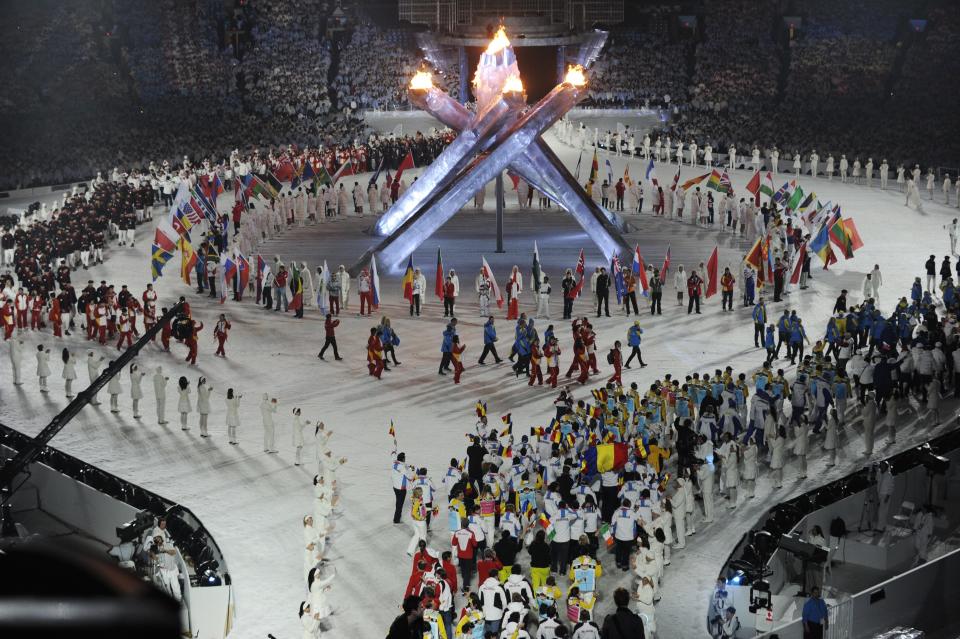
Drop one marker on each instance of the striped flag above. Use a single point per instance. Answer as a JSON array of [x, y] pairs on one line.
[[374, 281], [488, 273]]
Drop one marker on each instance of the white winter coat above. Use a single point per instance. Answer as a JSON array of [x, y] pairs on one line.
[[159, 384], [43, 364], [203, 398], [749, 462], [136, 389], [69, 368], [233, 410], [183, 406]]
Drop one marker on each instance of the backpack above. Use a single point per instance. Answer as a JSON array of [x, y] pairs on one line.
[[610, 357]]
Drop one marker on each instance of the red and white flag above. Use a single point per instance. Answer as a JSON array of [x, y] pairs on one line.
[[581, 267], [488, 273], [798, 264], [712, 267], [666, 265]]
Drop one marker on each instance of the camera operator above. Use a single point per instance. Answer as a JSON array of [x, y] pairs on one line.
[[166, 572]]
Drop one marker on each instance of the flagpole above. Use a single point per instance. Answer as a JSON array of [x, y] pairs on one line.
[[499, 190]]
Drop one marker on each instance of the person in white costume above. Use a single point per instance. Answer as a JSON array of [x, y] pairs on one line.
[[184, 406], [298, 425], [203, 404], [233, 415], [114, 389], [268, 408], [94, 363], [43, 367], [136, 388]]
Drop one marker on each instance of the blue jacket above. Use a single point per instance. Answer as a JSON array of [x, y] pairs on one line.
[[769, 340], [783, 324], [447, 345], [489, 333], [797, 334], [916, 292], [633, 335], [759, 314]]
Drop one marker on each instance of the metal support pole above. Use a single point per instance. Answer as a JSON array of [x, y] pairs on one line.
[[499, 190], [464, 75]]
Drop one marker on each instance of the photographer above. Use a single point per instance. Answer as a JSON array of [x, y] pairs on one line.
[[166, 572]]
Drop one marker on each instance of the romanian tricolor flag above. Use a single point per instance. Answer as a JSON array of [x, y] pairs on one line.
[[391, 431], [599, 394], [481, 409], [594, 167], [605, 457], [407, 281], [509, 422]]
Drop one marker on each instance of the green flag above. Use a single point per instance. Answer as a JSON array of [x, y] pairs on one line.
[[795, 199]]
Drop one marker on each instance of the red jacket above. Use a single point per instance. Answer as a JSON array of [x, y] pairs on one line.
[[329, 326], [694, 285], [449, 289]]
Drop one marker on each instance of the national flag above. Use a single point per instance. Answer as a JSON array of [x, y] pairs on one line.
[[229, 268], [274, 183], [784, 192], [488, 273], [509, 423], [820, 244], [756, 259], [609, 171], [481, 408], [345, 169], [795, 199], [838, 235], [391, 431], [537, 274], [166, 237], [158, 259], [507, 454], [600, 395], [753, 186], [617, 271], [767, 186], [725, 185], [296, 284], [712, 268], [243, 274], [577, 173], [261, 272], [438, 286], [406, 164], [188, 260], [640, 270], [594, 167], [626, 176], [222, 281], [407, 281], [203, 206], [515, 179], [374, 281], [807, 201], [581, 267], [693, 181], [181, 223], [798, 265], [676, 179], [605, 457], [666, 265], [714, 181], [856, 242], [325, 284], [651, 174], [606, 535]]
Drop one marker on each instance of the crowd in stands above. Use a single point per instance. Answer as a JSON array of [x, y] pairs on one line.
[[638, 68], [162, 80]]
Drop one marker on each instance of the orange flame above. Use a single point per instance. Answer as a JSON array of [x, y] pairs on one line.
[[575, 76], [499, 42], [513, 85], [423, 80]]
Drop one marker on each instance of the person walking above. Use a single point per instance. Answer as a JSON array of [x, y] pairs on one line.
[[816, 617], [694, 290], [329, 327]]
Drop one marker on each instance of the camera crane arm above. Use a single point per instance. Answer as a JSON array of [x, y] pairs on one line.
[[29, 453]]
